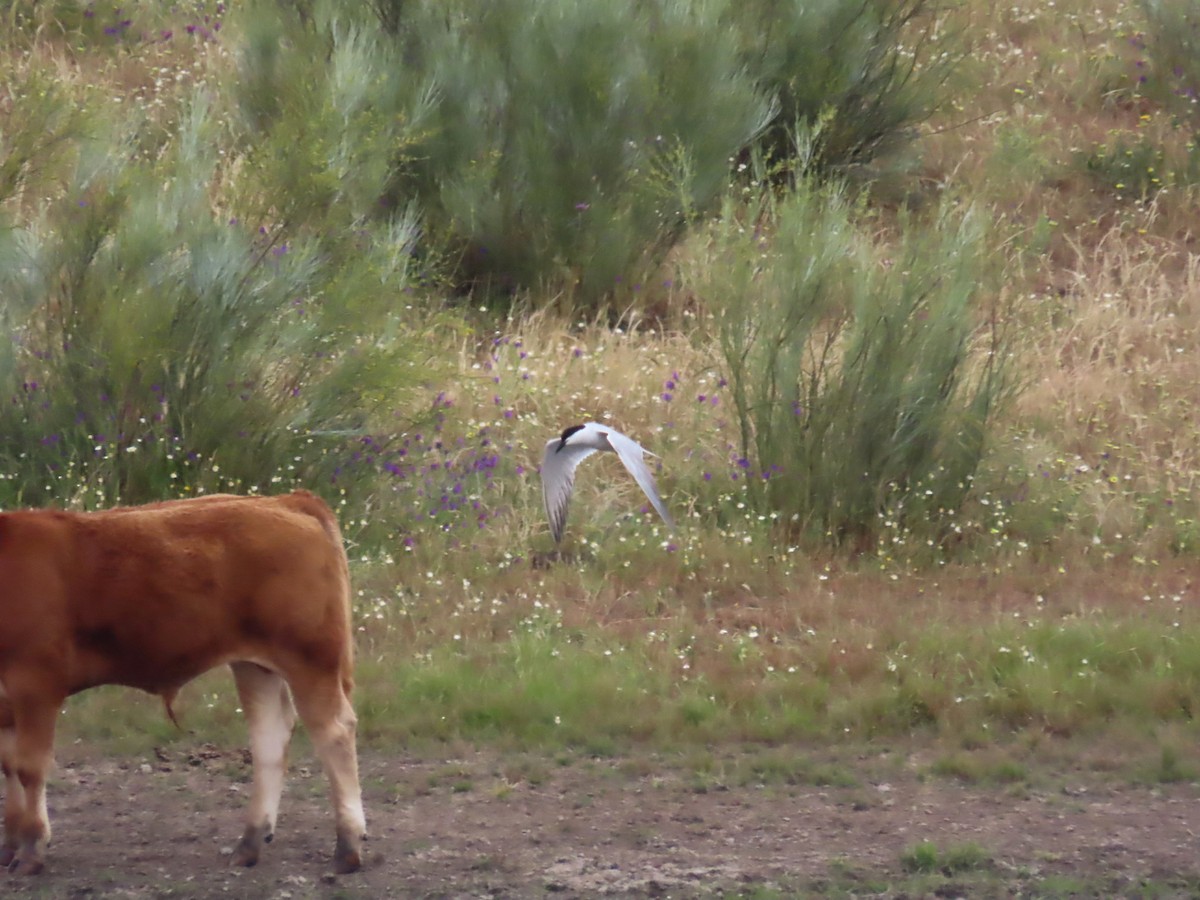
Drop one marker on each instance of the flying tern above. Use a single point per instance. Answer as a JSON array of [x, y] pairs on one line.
[[577, 443]]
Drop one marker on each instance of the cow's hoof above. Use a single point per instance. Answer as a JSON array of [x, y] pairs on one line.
[[7, 854], [247, 849], [345, 864], [21, 866], [346, 857], [244, 854]]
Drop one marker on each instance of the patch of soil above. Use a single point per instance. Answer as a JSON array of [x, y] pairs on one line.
[[489, 826]]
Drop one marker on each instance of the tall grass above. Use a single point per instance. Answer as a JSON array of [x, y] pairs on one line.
[[1172, 48], [565, 147], [865, 376], [867, 72], [572, 141], [147, 330]]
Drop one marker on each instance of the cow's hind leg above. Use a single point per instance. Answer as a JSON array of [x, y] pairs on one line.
[[29, 762], [14, 794], [270, 718], [327, 714]]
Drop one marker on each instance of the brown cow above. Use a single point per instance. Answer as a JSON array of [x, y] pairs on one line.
[[151, 597]]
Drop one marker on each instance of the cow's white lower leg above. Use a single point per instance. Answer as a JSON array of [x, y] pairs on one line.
[[340, 760], [331, 722], [270, 717]]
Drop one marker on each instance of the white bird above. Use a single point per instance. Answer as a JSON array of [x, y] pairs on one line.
[[576, 444]]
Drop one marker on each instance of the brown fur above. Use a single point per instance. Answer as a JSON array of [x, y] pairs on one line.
[[153, 596]]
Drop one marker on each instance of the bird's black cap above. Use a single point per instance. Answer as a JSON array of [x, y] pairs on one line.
[[567, 432]]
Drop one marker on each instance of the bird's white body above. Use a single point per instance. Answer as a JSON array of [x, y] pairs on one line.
[[566, 452]]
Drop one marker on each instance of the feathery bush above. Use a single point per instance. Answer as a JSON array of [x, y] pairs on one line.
[[866, 71], [156, 344], [574, 139], [565, 146], [862, 385]]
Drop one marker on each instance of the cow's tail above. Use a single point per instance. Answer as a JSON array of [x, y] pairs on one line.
[[168, 699]]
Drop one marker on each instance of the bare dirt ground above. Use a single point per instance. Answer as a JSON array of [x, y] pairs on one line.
[[495, 827]]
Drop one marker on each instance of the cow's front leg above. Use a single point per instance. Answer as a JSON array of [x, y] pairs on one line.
[[30, 765]]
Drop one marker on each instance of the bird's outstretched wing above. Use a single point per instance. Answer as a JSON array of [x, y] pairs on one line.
[[558, 480], [632, 454]]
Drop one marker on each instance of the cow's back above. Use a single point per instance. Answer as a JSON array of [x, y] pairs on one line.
[[153, 596]]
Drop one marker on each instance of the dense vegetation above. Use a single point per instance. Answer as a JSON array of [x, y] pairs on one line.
[[904, 294]]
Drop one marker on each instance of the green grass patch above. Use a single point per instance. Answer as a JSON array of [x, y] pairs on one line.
[[534, 691], [926, 858], [981, 768]]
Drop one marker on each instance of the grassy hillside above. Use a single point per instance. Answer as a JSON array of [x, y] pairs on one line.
[[925, 406]]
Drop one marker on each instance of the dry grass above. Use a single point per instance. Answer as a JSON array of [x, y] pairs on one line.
[[1104, 279]]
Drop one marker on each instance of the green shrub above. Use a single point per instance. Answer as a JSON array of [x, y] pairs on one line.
[[155, 345], [862, 379], [925, 857], [573, 139], [549, 145], [564, 146], [36, 132], [866, 71], [325, 111], [922, 857]]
